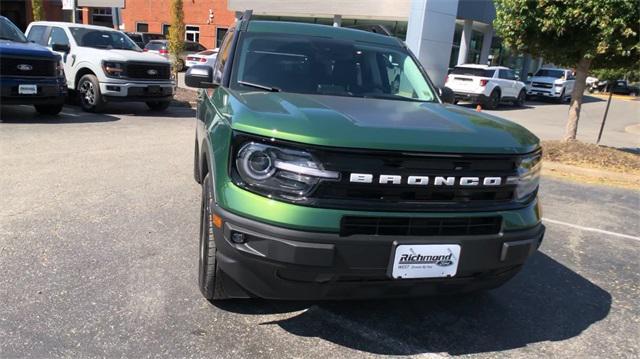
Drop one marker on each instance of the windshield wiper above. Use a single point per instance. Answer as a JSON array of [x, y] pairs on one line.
[[393, 97], [258, 86]]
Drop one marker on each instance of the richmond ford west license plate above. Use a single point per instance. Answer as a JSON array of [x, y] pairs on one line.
[[425, 261]]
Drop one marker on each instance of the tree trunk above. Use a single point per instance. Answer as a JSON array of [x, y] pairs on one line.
[[582, 70]]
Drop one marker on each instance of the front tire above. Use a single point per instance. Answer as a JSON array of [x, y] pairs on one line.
[[89, 95], [49, 109], [209, 278], [158, 105], [561, 98]]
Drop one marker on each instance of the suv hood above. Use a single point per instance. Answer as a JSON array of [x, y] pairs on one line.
[[30, 49], [376, 124], [127, 55]]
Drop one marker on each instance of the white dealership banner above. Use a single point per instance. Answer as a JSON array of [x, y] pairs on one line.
[[67, 4], [101, 3]]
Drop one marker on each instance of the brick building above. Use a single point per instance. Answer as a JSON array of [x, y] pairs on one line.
[[206, 20]]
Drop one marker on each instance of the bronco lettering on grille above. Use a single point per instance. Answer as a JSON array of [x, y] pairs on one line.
[[425, 180]]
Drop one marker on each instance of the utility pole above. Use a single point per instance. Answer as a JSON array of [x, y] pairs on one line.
[[74, 12], [604, 118]]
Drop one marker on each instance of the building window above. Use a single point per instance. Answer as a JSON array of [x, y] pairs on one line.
[[165, 29], [102, 16], [475, 47], [220, 32], [142, 27], [192, 33]]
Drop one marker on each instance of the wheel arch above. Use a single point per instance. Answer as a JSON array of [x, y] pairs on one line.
[[81, 72]]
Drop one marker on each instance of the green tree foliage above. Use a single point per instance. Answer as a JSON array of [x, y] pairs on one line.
[[176, 32], [580, 34], [38, 10]]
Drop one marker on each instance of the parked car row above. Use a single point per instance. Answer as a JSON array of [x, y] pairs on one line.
[[161, 47], [97, 64], [490, 86]]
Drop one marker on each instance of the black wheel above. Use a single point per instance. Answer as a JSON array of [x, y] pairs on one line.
[[633, 94], [561, 98], [49, 109], [209, 278], [196, 163], [89, 94], [493, 101], [522, 96], [158, 105]]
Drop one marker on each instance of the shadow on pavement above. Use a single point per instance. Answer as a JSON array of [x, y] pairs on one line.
[[27, 114], [545, 302]]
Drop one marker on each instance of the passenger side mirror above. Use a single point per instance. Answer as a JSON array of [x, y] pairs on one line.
[[446, 94], [517, 77], [200, 76], [530, 74], [60, 47]]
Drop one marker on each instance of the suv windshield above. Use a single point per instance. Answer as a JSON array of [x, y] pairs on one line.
[[155, 45], [313, 65], [550, 73], [103, 39], [8, 31], [472, 71]]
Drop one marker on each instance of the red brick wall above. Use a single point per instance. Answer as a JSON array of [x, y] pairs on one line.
[[196, 12]]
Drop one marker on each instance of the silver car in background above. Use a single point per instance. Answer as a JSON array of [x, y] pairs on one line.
[[161, 47]]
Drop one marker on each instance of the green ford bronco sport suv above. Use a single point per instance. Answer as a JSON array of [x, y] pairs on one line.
[[331, 168]]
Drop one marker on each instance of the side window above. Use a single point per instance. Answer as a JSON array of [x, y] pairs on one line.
[[223, 55], [570, 76], [57, 36], [200, 48], [503, 74], [511, 75], [36, 34]]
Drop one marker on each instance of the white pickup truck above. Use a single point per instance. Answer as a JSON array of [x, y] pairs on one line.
[[553, 83], [104, 65]]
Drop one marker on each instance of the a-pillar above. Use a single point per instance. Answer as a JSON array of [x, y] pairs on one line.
[[465, 42], [430, 35], [486, 45]]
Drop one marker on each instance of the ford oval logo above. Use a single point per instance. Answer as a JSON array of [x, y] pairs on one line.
[[152, 72], [24, 67]]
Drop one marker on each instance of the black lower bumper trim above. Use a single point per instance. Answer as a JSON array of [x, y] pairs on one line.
[[281, 263]]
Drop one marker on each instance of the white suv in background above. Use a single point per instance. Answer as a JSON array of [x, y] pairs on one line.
[[486, 85], [104, 65], [553, 83]]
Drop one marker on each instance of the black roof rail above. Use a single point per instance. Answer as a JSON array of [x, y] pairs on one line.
[[246, 17]]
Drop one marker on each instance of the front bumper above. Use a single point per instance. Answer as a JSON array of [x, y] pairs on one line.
[[51, 91], [280, 263], [137, 91], [545, 92]]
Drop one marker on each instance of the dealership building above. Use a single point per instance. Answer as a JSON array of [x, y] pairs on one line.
[[442, 33]]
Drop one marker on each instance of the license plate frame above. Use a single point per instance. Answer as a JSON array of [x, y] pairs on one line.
[[438, 260], [27, 89]]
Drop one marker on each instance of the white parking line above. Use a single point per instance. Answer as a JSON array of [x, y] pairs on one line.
[[589, 229]]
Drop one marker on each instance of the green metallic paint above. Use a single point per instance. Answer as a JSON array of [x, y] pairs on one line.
[[348, 122], [250, 205]]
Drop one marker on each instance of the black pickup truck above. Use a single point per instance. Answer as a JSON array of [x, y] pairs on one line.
[[30, 74]]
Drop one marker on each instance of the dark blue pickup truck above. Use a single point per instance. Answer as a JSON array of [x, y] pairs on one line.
[[30, 74]]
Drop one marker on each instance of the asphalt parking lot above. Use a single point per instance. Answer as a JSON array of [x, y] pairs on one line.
[[98, 255]]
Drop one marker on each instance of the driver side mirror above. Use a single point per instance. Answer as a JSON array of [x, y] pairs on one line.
[[200, 76], [60, 47], [446, 94]]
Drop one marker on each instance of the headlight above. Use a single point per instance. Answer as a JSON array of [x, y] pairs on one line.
[[528, 176], [60, 69], [280, 172], [113, 69], [558, 85]]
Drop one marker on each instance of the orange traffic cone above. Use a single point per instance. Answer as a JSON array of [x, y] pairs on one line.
[[479, 108]]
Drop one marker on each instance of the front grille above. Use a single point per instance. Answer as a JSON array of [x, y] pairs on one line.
[[405, 197], [542, 85], [39, 67], [148, 71], [345, 194], [410, 226]]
